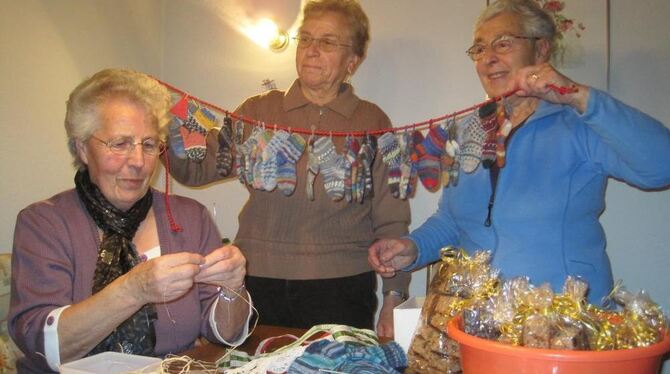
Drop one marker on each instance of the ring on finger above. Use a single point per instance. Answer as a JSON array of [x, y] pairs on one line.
[[534, 76]]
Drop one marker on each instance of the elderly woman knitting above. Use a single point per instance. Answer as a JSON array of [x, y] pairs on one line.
[[539, 213], [105, 266]]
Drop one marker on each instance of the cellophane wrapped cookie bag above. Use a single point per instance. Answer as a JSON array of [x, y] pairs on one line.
[[460, 281]]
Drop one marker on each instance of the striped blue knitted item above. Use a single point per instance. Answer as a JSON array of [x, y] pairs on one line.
[[288, 154], [350, 358]]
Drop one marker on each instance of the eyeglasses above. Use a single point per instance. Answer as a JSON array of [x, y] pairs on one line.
[[123, 145], [500, 45], [324, 44]]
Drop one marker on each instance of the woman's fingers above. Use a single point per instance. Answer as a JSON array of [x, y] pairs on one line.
[[225, 266]]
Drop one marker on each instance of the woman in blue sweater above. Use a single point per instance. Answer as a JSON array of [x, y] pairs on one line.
[[539, 214]]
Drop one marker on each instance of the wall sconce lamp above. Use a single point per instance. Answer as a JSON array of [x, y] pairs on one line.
[[266, 34]]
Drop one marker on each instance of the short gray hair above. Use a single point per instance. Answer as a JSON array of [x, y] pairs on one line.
[[359, 25], [82, 116], [535, 22]]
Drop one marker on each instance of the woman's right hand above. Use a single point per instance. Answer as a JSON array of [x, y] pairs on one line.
[[386, 256], [164, 278]]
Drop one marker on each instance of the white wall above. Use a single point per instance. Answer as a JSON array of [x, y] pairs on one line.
[[46, 48], [416, 70]]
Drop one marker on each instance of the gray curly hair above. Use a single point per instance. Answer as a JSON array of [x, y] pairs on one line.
[[535, 22], [82, 117]]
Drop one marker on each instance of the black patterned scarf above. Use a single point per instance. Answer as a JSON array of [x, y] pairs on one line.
[[117, 256]]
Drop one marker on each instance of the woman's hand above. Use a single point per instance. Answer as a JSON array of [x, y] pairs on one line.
[[224, 267], [543, 81], [385, 322], [388, 255], [164, 278]]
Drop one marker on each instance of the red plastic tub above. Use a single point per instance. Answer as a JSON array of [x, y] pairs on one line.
[[482, 356]]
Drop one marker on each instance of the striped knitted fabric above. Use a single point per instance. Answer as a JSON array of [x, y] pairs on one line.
[[429, 152], [288, 154], [389, 149], [365, 158], [351, 168], [487, 115], [471, 143], [350, 358], [224, 156], [193, 135], [264, 170], [332, 168]]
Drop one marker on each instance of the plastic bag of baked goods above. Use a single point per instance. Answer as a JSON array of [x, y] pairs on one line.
[[460, 281]]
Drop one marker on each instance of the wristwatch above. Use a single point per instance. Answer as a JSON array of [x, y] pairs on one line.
[[236, 293], [401, 295]]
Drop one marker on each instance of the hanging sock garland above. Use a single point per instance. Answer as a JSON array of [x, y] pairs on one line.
[[267, 159]]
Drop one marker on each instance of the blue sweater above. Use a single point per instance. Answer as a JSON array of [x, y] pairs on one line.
[[549, 196]]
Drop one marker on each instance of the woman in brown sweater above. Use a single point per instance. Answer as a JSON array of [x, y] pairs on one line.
[[307, 258]]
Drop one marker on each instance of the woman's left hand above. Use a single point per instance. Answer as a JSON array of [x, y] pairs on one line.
[[223, 267], [543, 81]]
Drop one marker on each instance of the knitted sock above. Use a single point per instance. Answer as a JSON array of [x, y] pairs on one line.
[[193, 135], [406, 147], [205, 118], [390, 150], [269, 163], [487, 115], [331, 165], [450, 164], [365, 160], [263, 169], [430, 151], [288, 154], [175, 139], [224, 156], [471, 146], [248, 152], [504, 128], [312, 168], [238, 135], [447, 159], [351, 151]]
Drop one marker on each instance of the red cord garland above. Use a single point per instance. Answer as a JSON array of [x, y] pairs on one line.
[[173, 225], [413, 126]]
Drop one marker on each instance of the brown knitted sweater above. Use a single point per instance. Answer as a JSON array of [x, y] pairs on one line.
[[296, 238]]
